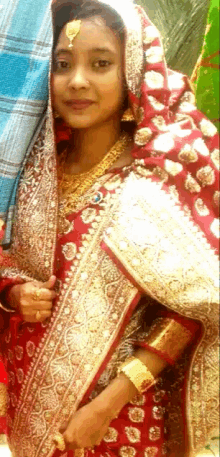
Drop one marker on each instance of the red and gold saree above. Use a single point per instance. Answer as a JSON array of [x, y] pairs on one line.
[[141, 243]]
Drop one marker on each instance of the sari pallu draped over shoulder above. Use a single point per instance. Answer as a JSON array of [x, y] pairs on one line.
[[158, 236]]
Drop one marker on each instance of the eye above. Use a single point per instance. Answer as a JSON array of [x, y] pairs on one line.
[[101, 63], [62, 65]]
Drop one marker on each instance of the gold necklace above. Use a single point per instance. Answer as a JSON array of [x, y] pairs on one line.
[[72, 187]]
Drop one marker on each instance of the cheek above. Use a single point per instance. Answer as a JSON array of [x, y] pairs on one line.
[[56, 89], [113, 88]]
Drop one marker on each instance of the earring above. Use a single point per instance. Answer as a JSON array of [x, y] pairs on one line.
[[128, 116]]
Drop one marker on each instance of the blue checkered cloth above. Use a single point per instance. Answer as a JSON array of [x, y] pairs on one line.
[[25, 49]]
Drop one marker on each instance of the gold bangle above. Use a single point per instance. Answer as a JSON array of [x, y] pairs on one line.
[[138, 374], [168, 337]]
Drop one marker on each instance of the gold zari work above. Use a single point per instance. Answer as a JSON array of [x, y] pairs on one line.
[[3, 399], [178, 271]]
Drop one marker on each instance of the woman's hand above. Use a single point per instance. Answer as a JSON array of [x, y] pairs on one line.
[[88, 426], [24, 298]]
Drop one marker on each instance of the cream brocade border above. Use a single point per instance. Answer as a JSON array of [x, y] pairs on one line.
[[170, 259], [69, 356]]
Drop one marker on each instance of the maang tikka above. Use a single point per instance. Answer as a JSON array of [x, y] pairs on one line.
[[72, 30]]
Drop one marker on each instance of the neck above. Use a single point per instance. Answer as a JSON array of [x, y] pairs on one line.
[[91, 145]]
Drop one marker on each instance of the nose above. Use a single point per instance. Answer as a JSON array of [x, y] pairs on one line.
[[78, 79]]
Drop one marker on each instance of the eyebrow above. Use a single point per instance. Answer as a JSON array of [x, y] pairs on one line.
[[99, 49]]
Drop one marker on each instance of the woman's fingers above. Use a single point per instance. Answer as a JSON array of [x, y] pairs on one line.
[[50, 283], [43, 294], [34, 318], [42, 306]]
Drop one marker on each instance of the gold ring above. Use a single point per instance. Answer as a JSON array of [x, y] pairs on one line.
[[38, 316], [59, 442], [36, 294]]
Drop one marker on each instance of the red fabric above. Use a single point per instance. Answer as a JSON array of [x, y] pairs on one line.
[[21, 340]]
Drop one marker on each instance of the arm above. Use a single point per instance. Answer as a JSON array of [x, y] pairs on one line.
[[97, 415]]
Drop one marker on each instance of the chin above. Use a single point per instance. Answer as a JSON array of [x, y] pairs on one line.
[[84, 122]]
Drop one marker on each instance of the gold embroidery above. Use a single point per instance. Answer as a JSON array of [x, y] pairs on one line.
[[143, 136], [161, 173], [154, 80], [176, 81], [113, 183], [200, 146], [154, 54], [186, 107], [33, 246], [111, 435], [158, 412], [216, 197], [151, 451], [154, 433], [136, 414], [133, 434], [158, 396], [127, 451], [3, 399], [173, 168], [181, 273], [139, 400], [19, 352], [140, 115], [189, 97], [215, 228], [30, 347], [187, 154], [20, 375], [208, 129], [201, 208], [155, 103], [150, 34], [215, 157], [206, 176], [69, 251], [191, 184], [160, 123], [169, 337], [108, 290]]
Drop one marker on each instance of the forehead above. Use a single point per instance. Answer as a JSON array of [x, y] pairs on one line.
[[93, 33]]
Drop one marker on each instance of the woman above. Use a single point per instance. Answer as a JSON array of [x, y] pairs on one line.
[[119, 259]]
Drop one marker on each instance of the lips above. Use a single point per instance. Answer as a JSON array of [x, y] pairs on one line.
[[79, 104]]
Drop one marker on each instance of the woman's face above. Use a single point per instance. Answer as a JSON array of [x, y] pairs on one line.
[[87, 82]]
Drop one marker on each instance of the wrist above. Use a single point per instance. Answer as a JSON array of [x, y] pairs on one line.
[[119, 392]]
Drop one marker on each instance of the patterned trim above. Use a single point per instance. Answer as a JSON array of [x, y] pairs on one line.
[[170, 259], [70, 350]]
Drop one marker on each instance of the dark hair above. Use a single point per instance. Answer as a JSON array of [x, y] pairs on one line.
[[64, 11]]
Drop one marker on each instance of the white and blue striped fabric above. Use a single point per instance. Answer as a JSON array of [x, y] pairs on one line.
[[25, 49]]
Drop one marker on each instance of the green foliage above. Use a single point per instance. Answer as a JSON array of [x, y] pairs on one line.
[[182, 26]]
